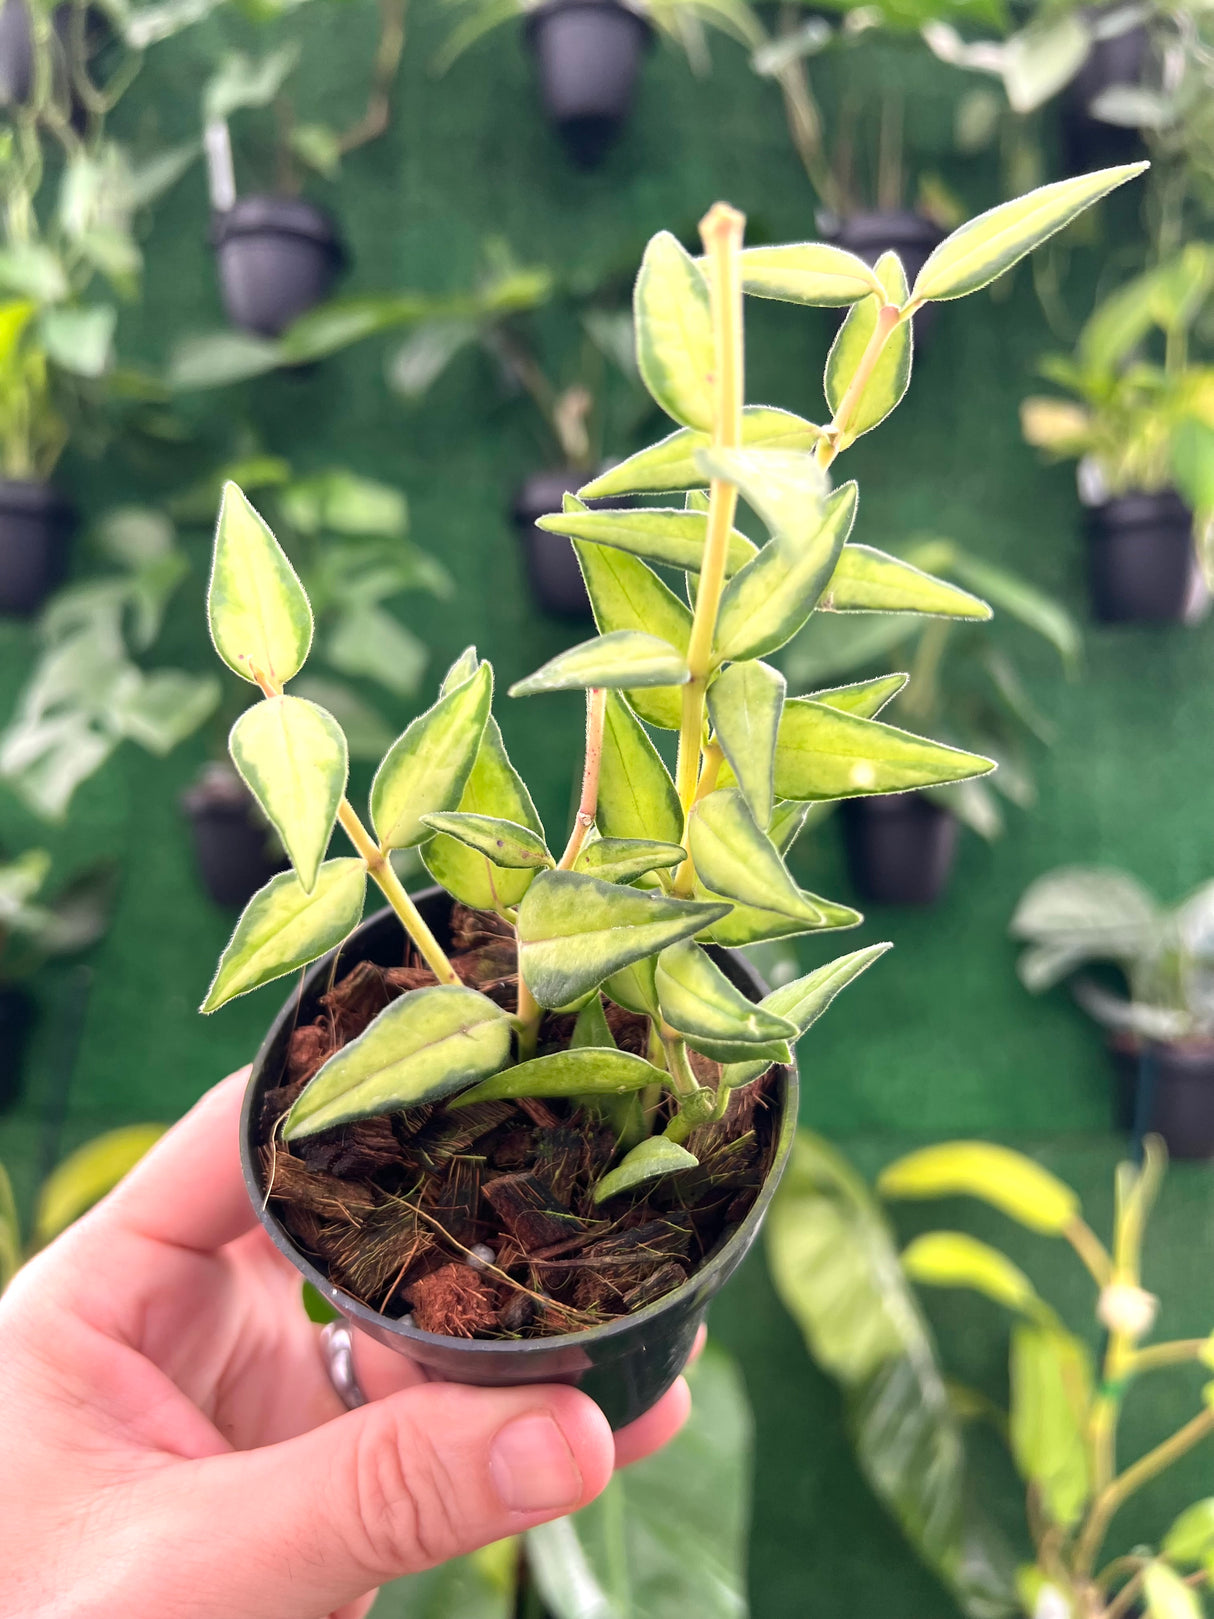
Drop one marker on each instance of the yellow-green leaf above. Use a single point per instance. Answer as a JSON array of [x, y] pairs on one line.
[[744, 705], [997, 1175], [955, 1259], [637, 798], [671, 464], [712, 1013], [1051, 1400], [869, 581], [673, 538], [674, 344], [591, 1027], [10, 1231], [620, 860], [260, 619], [427, 768], [1168, 1597], [890, 377], [581, 1071], [87, 1175], [735, 858], [422, 1047], [653, 1157], [505, 843], [1190, 1540], [292, 755], [751, 924], [787, 489], [494, 788], [825, 752], [626, 594], [863, 697], [985, 247], [622, 659], [807, 273], [283, 927]]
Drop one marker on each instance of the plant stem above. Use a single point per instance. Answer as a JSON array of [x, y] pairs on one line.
[[529, 1013], [836, 439], [1090, 1249], [588, 804], [382, 873], [1143, 1470], [1170, 1354], [1121, 1602]]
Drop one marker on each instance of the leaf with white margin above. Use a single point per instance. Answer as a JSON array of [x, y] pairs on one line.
[[580, 1071], [427, 768], [505, 843], [293, 758], [735, 858], [260, 618], [890, 377], [674, 341], [744, 705], [866, 580], [814, 273], [622, 659], [824, 752], [651, 1158], [626, 594], [671, 464], [637, 799], [712, 1014]]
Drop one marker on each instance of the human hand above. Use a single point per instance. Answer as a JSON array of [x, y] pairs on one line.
[[173, 1446]]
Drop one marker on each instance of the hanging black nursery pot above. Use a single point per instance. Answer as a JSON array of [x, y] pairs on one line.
[[625, 1365], [36, 527], [552, 566], [1090, 143], [588, 55], [234, 848], [1142, 567], [17, 1013], [900, 847], [278, 257], [1166, 1090], [912, 237]]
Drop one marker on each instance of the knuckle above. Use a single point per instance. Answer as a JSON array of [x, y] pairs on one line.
[[406, 1513]]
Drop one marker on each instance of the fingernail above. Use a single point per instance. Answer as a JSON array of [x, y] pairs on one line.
[[533, 1467]]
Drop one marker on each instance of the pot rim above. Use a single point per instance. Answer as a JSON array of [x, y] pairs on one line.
[[1138, 508], [549, 8], [299, 218], [35, 495], [499, 1348]]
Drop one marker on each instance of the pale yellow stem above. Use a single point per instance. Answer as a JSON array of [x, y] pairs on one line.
[[381, 871], [588, 804]]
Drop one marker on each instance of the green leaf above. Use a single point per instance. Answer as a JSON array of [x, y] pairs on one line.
[[316, 1306], [1168, 1597], [575, 931], [619, 860], [863, 697], [997, 1175], [10, 1231], [655, 1156], [807, 273], [675, 352], [86, 1176], [626, 594], [744, 705], [869, 581], [1190, 1540], [283, 927], [426, 770], [890, 377], [422, 1047], [711, 1012], [580, 1071], [622, 659], [804, 1000], [637, 799], [787, 489], [825, 752], [633, 987], [736, 859], [788, 821], [673, 538], [671, 464], [955, 1259], [496, 789], [1051, 1399], [752, 924], [591, 1027], [985, 247], [292, 756], [767, 603], [1010, 594], [505, 843], [464, 667], [260, 619], [367, 642]]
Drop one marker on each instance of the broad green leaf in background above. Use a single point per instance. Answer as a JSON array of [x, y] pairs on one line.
[[292, 756], [575, 931], [671, 464], [1168, 1597], [161, 708], [657, 1155], [675, 353], [807, 273], [619, 860], [481, 1586], [890, 377], [736, 859], [80, 340], [712, 1013], [1193, 463], [10, 1231], [368, 735], [1051, 1397], [1082, 913], [626, 594], [824, 752], [581, 1071], [985, 247], [673, 538], [1042, 58], [1008, 1180], [637, 799], [869, 581], [622, 659], [955, 1259], [368, 642], [427, 768], [832, 645], [1190, 1540], [1008, 593], [863, 697], [505, 843], [86, 1175], [422, 1047], [284, 927], [744, 705], [259, 615], [667, 1538], [494, 788]]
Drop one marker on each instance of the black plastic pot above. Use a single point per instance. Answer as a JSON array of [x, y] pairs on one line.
[[552, 566], [1166, 1090], [278, 257], [1141, 564], [17, 1012], [587, 55], [625, 1365], [17, 54], [234, 848], [1089, 143], [36, 527], [900, 848]]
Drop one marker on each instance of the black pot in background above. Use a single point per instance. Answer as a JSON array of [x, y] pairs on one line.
[[626, 1365], [1089, 143], [234, 847], [588, 55], [898, 230], [552, 566], [17, 54], [17, 1011], [1142, 567], [1166, 1090], [36, 526], [278, 257], [900, 847]]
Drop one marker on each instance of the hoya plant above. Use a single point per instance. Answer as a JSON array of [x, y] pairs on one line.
[[659, 871]]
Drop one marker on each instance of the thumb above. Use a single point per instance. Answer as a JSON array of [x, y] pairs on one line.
[[297, 1529]]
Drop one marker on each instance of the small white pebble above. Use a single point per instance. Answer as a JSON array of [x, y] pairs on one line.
[[480, 1256], [406, 1320]]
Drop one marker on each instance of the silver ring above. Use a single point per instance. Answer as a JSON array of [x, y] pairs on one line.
[[337, 1352]]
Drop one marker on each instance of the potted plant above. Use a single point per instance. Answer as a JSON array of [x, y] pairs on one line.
[[488, 1021], [838, 1269], [1141, 424], [964, 685], [1162, 1036], [34, 930]]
